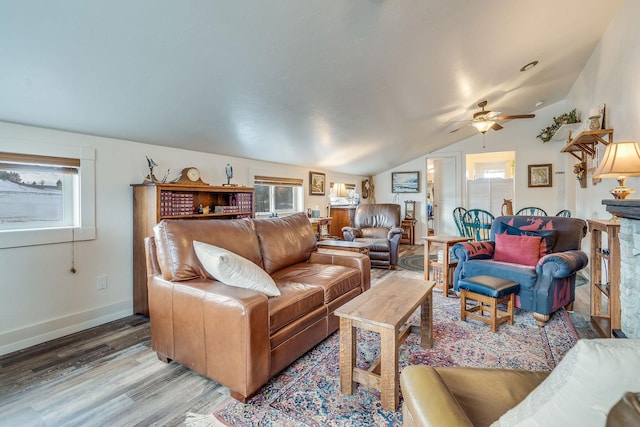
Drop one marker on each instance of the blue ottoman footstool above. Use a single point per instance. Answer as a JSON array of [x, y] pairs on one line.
[[487, 292]]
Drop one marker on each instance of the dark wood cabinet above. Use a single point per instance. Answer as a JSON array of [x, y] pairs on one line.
[[155, 202], [341, 216]]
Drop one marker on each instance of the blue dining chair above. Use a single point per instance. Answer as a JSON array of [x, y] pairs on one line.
[[531, 211], [457, 218], [476, 224], [566, 213]]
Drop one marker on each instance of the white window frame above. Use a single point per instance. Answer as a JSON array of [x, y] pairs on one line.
[[296, 184], [85, 228]]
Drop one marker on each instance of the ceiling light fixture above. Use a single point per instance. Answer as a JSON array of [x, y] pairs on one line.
[[539, 103], [483, 125], [529, 66]]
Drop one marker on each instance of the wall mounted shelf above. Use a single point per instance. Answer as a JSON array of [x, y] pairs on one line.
[[584, 143]]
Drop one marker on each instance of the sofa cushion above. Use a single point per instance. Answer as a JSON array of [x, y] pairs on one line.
[[582, 388], [548, 236], [174, 244], [517, 249], [234, 270], [296, 300], [335, 280], [570, 231], [375, 232], [285, 241]]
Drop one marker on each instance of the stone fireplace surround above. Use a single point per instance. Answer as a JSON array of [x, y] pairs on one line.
[[629, 213]]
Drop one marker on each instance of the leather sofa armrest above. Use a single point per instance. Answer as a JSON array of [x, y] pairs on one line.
[[428, 401], [395, 231], [347, 259], [561, 264], [350, 233], [223, 317]]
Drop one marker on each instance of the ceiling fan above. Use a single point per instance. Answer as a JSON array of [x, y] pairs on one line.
[[484, 120]]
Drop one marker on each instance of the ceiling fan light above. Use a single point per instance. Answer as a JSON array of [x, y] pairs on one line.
[[483, 125]]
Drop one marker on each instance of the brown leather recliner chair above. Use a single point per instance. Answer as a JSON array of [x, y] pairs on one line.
[[378, 225]]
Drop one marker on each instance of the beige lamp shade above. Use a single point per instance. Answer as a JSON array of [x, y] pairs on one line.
[[620, 160], [340, 190]]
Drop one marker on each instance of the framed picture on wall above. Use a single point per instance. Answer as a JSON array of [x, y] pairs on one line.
[[316, 184], [405, 182], [540, 175]]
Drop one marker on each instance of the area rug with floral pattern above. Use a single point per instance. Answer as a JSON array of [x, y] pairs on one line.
[[307, 393]]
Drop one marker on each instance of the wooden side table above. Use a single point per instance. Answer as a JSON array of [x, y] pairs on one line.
[[445, 242], [321, 226], [408, 229], [385, 308]]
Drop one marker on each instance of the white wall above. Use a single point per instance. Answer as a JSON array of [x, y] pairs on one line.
[[518, 136], [611, 77], [41, 299]]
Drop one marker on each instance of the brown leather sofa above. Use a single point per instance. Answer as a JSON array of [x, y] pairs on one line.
[[240, 337], [379, 225]]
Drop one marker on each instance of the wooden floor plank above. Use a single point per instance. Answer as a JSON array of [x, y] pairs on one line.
[[108, 375]]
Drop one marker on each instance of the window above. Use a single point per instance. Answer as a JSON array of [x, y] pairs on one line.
[[46, 197], [38, 191], [281, 196]]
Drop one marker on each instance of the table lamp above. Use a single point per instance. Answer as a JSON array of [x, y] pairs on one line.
[[340, 190], [620, 160]]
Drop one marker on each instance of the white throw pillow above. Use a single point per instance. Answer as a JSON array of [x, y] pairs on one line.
[[582, 388], [234, 270]]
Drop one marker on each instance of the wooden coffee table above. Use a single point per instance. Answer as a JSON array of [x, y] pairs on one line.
[[345, 245], [385, 309]]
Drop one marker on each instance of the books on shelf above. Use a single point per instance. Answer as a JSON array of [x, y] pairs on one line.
[[177, 203], [244, 201], [172, 203]]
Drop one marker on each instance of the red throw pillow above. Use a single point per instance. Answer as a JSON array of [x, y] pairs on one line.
[[517, 249]]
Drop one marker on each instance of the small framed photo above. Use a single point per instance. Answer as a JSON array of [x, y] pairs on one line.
[[540, 175], [409, 209], [316, 184], [405, 182]]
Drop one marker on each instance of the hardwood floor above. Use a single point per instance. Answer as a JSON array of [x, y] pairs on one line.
[[109, 376]]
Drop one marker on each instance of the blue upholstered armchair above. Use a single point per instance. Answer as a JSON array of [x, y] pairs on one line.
[[547, 282]]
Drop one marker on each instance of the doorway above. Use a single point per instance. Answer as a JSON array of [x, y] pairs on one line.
[[444, 190], [489, 180]]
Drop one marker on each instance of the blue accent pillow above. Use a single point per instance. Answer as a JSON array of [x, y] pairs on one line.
[[548, 236]]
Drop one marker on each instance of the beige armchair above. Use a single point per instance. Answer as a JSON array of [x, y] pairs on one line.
[[379, 226], [582, 390], [457, 397]]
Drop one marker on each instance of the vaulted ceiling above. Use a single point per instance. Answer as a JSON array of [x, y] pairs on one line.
[[352, 86]]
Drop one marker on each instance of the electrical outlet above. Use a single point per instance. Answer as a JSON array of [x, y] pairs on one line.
[[101, 282]]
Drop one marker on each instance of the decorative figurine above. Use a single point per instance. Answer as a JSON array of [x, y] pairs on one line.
[[151, 178], [229, 171]]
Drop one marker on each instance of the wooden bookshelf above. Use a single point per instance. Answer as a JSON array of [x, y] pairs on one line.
[[155, 202]]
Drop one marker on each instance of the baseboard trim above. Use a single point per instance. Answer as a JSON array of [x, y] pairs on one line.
[[38, 333]]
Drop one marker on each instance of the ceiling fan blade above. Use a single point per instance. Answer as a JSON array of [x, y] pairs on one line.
[[457, 129], [515, 116], [496, 126]]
